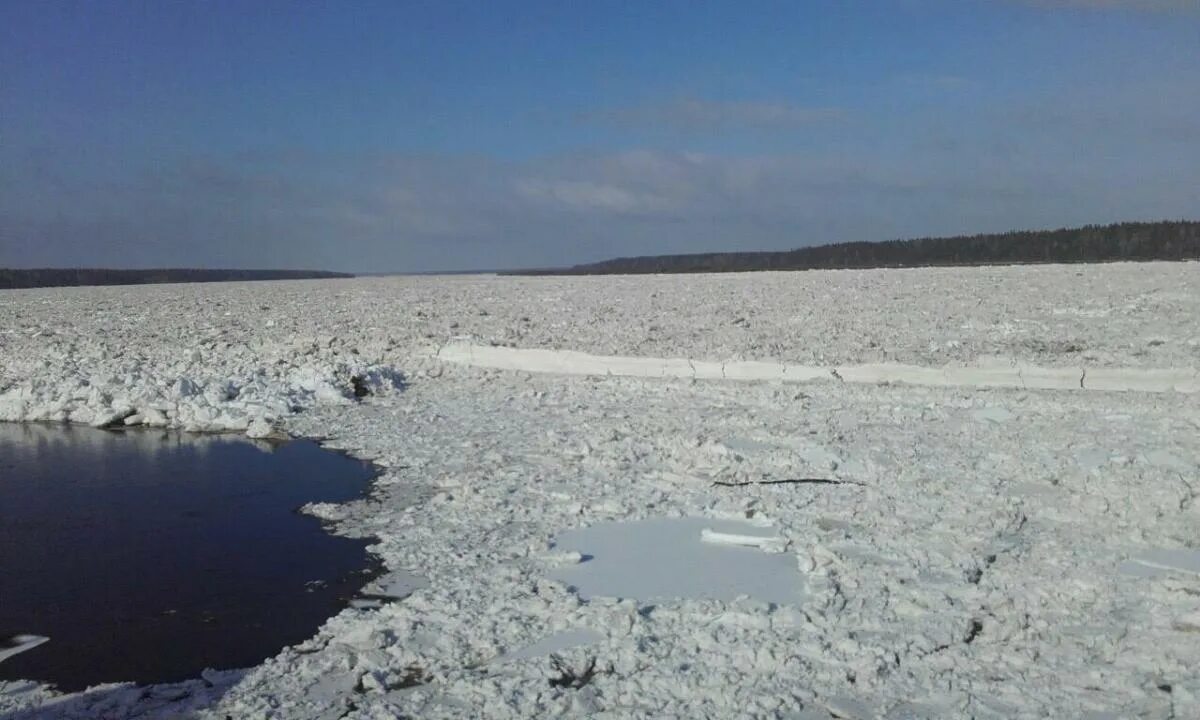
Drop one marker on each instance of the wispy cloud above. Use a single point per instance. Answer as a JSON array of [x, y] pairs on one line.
[[586, 195], [700, 114]]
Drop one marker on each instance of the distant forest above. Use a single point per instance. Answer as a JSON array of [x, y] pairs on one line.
[[54, 277], [1171, 240]]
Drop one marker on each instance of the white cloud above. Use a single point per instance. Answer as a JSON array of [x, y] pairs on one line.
[[591, 196]]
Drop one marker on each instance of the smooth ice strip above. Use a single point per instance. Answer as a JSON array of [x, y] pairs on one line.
[[666, 558], [1143, 380], [1133, 568], [1042, 378], [893, 373], [678, 368], [18, 644], [1178, 559], [806, 373], [752, 370], [571, 362]]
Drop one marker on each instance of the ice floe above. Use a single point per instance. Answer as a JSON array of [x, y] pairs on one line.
[[679, 558]]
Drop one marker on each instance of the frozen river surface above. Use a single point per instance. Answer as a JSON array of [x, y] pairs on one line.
[[1024, 549]]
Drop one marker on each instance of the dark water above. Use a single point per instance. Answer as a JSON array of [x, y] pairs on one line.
[[150, 556]]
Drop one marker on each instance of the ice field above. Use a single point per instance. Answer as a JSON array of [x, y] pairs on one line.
[[951, 492]]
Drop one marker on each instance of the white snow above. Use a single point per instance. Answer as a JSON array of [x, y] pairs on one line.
[[970, 564]]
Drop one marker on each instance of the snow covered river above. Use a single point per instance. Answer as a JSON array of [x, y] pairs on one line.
[[152, 555], [650, 496]]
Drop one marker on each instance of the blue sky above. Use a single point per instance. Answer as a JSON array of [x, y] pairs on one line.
[[446, 135]]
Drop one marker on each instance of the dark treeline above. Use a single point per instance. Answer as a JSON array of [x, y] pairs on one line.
[[1171, 240], [52, 277]]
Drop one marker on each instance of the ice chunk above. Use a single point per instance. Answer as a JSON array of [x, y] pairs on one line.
[[764, 543]]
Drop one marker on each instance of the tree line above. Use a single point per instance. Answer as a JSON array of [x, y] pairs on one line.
[[1168, 240], [53, 277]]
